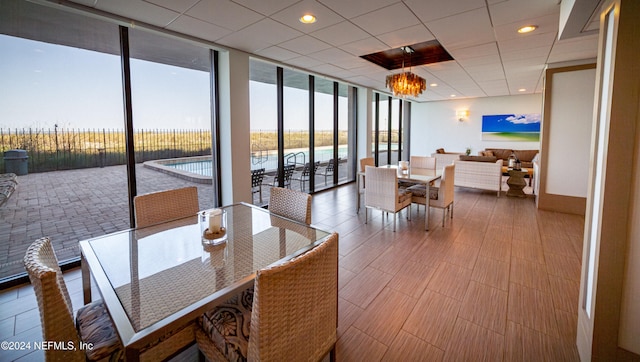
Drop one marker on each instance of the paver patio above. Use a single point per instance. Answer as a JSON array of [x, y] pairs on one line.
[[73, 205]]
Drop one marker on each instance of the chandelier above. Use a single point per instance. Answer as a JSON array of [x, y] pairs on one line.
[[406, 83]]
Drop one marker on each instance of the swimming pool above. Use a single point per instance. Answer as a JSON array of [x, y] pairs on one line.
[[199, 169]]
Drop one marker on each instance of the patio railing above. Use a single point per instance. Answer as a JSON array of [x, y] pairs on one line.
[[64, 149]]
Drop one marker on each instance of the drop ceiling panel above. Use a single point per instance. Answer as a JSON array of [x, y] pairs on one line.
[[331, 55], [277, 53], [385, 20], [493, 59], [353, 8], [522, 10], [198, 28], [406, 36], [534, 41], [224, 13], [364, 46], [305, 62], [260, 35], [463, 30], [340, 34], [138, 10], [179, 6], [482, 50], [291, 16], [546, 24], [304, 45], [429, 10], [265, 7]]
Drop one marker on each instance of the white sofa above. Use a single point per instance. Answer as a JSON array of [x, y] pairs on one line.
[[479, 175]]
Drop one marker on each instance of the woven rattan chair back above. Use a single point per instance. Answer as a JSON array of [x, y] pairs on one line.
[[294, 316], [292, 204], [422, 162], [56, 311], [158, 207]]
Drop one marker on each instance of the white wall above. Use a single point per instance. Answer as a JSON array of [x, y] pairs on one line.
[[435, 125], [570, 124]]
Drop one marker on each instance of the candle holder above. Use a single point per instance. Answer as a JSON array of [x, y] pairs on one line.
[[210, 221]]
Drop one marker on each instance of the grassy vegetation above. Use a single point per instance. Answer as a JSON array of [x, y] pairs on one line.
[[62, 149]]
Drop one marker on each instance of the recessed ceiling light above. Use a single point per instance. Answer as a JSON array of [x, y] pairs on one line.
[[453, 95], [433, 84], [308, 19], [527, 29], [522, 90]]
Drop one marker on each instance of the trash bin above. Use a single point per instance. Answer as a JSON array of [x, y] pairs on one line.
[[16, 161], [102, 154]]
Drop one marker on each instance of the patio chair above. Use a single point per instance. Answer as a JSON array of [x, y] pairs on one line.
[[291, 315], [92, 324], [439, 197], [328, 169], [382, 193], [304, 175], [288, 173], [157, 207], [292, 204], [256, 182]]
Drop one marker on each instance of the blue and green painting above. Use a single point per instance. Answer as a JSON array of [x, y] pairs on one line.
[[511, 127]]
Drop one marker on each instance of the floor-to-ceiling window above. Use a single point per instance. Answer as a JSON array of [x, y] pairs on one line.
[[61, 101], [388, 134], [171, 103], [316, 127]]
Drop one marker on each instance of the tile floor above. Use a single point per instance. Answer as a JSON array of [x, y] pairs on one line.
[[499, 283]]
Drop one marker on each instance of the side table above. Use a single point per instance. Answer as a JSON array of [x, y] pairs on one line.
[[516, 183]]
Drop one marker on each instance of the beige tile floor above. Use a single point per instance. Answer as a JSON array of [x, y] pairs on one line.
[[499, 282]]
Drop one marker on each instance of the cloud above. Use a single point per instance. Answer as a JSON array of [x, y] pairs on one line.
[[524, 118]]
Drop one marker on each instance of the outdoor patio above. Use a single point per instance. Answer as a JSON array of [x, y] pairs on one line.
[[73, 205]]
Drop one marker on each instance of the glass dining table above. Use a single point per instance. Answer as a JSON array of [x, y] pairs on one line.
[[156, 280], [423, 176]]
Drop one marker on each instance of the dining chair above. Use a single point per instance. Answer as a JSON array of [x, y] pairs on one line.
[[92, 323], [439, 197], [256, 182], [289, 315], [364, 162], [382, 192], [156, 207], [292, 204], [422, 162]]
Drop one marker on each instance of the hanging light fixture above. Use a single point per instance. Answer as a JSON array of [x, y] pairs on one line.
[[406, 83]]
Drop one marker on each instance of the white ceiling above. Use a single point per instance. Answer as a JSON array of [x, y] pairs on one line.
[[491, 58]]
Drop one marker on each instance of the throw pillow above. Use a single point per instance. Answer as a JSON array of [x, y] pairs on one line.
[[488, 153], [440, 150]]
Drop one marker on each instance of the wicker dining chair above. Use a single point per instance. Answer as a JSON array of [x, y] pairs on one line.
[[92, 325], [364, 162], [292, 204], [157, 207], [439, 197], [382, 193], [290, 314]]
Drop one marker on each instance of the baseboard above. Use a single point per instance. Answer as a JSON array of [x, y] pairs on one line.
[[562, 203]]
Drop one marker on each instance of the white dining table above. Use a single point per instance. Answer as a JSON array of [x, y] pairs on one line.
[[416, 175]]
